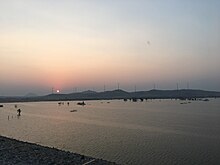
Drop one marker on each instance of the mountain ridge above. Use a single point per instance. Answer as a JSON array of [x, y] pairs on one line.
[[118, 94]]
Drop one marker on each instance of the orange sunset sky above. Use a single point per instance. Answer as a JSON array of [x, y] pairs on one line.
[[85, 44]]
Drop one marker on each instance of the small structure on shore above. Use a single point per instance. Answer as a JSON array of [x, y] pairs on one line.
[[134, 99], [74, 110], [81, 103], [1, 106], [60, 103]]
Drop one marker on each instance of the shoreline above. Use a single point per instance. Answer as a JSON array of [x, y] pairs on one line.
[[107, 99], [13, 151], [183, 94]]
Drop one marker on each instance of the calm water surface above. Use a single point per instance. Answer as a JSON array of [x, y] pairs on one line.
[[149, 132]]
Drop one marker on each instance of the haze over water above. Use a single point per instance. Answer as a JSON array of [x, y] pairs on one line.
[[69, 46], [152, 132]]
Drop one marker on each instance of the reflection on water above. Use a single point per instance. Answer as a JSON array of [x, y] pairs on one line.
[[148, 132]]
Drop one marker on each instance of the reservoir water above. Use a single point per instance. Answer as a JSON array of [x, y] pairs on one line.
[[148, 132]]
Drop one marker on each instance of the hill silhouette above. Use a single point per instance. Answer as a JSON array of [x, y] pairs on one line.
[[118, 94]]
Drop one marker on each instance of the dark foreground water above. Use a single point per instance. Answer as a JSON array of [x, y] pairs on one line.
[[149, 132]]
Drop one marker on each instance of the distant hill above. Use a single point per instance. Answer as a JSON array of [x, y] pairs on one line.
[[89, 92], [183, 93], [31, 95], [117, 94]]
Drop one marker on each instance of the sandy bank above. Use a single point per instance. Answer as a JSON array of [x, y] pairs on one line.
[[23, 153]]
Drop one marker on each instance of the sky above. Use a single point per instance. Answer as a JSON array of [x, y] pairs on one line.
[[76, 45]]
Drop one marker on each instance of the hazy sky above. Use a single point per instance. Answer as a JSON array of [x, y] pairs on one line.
[[87, 43]]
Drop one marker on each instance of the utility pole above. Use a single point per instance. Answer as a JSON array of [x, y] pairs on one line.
[[118, 86], [75, 89], [52, 90], [177, 86]]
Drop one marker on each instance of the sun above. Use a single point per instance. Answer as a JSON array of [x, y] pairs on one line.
[[58, 91]]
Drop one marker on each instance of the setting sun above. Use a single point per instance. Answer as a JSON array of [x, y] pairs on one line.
[[109, 82]]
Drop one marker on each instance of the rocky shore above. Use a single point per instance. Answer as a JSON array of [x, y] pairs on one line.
[[23, 153]]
